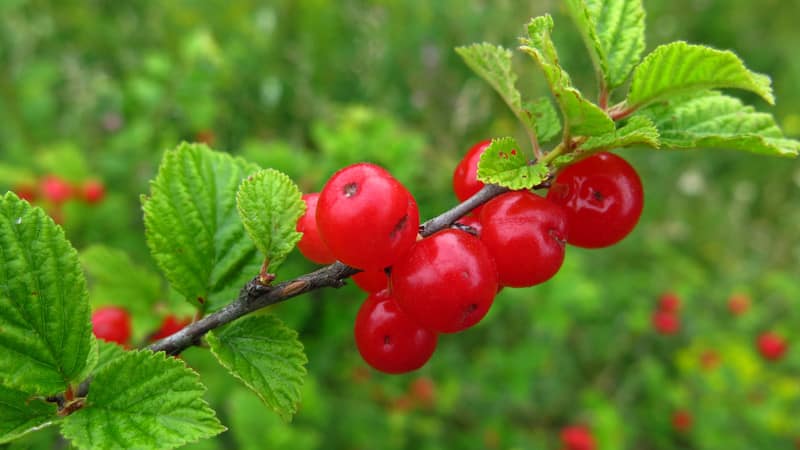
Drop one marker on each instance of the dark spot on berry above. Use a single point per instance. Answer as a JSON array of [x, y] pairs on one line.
[[350, 189], [598, 196], [387, 340], [557, 237], [468, 311], [464, 274], [398, 227]]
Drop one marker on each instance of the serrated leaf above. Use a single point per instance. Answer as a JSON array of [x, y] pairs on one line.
[[614, 34], [21, 413], [114, 279], [46, 340], [266, 356], [714, 120], [680, 68], [142, 399], [546, 117], [503, 164], [637, 131], [493, 64], [270, 204], [107, 352], [192, 228], [581, 117]]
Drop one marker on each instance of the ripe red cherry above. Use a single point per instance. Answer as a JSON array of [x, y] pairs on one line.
[[446, 282], [311, 244], [388, 339], [366, 217], [112, 324], [92, 192], [669, 302], [55, 190], [666, 322], [682, 421], [577, 437], [372, 280], [738, 304], [170, 326], [526, 235], [465, 177], [772, 346], [603, 197]]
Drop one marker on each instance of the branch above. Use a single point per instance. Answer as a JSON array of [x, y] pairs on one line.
[[255, 296]]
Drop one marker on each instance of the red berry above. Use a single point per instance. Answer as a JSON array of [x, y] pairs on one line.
[[577, 437], [27, 192], [112, 324], [388, 339], [666, 322], [205, 136], [423, 390], [682, 421], [603, 197], [311, 245], [92, 192], [772, 346], [465, 177], [526, 235], [446, 282], [709, 359], [55, 190], [738, 304], [669, 302], [170, 326], [366, 217], [372, 280]]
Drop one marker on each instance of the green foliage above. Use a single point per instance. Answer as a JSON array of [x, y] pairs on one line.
[[504, 164], [581, 117], [270, 204], [267, 357], [637, 131], [142, 399], [546, 119], [192, 228], [45, 336], [680, 68], [22, 413], [614, 35], [714, 120]]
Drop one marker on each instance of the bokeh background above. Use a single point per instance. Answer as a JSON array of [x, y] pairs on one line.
[[98, 89]]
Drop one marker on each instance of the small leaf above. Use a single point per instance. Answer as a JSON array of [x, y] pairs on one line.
[[142, 399], [680, 68], [638, 131], [46, 340], [107, 352], [21, 413], [116, 280], [192, 228], [581, 117], [614, 34], [266, 356], [714, 120], [493, 64], [270, 204], [544, 114], [503, 164]]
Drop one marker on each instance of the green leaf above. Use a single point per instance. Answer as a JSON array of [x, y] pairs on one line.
[[107, 352], [266, 356], [21, 413], [714, 120], [116, 280], [614, 34], [680, 68], [46, 340], [493, 64], [142, 400], [192, 228], [502, 163], [270, 204], [547, 123], [637, 131], [581, 117]]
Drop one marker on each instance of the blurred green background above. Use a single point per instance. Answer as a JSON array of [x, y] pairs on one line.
[[98, 89]]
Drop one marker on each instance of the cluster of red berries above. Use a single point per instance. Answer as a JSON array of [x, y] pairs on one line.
[[666, 319], [447, 282], [577, 437], [56, 190], [113, 324]]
